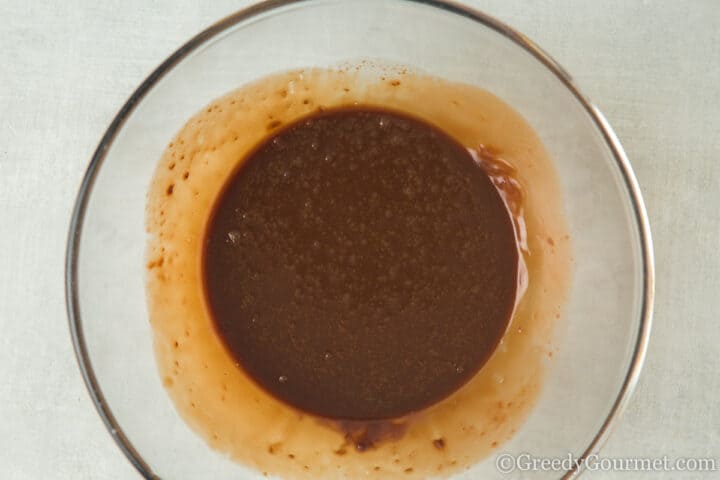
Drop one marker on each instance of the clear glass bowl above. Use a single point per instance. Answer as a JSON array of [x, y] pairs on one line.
[[610, 303]]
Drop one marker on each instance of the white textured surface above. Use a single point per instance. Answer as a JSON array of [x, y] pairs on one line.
[[652, 66]]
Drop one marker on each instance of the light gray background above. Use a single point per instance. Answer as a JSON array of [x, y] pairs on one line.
[[652, 66]]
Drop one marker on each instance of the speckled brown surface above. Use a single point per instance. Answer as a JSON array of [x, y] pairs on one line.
[[360, 264]]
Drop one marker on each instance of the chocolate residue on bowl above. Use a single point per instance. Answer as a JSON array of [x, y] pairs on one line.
[[237, 417]]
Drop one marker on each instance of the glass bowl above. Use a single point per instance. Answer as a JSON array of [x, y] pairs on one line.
[[607, 317]]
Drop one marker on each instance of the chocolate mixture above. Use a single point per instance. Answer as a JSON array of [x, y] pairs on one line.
[[360, 265]]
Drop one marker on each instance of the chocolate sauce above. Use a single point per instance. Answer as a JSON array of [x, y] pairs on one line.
[[226, 406], [360, 264]]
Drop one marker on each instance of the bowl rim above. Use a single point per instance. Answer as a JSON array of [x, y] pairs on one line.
[[630, 183]]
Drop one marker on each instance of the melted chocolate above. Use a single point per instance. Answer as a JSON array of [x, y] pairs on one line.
[[360, 264]]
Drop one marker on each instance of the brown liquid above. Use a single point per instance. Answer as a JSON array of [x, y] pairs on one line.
[[360, 265], [226, 406]]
